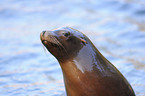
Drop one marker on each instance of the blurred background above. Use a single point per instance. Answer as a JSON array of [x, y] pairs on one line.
[[116, 27]]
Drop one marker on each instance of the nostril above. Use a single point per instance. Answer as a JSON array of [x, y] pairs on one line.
[[43, 33]]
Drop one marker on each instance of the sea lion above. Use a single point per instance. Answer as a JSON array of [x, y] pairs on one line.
[[85, 70]]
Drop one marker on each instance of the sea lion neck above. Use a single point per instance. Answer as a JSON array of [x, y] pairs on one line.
[[83, 60]]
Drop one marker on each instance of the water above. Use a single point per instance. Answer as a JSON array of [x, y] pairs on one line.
[[116, 27]]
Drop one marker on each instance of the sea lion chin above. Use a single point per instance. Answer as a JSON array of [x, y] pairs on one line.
[[86, 71]]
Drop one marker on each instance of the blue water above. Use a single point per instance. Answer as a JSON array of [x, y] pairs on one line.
[[116, 27]]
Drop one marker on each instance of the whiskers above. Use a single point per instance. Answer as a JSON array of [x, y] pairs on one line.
[[60, 46]]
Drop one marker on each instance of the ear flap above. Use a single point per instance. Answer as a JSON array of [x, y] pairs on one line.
[[83, 41]]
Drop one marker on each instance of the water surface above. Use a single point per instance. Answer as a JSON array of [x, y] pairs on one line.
[[116, 27]]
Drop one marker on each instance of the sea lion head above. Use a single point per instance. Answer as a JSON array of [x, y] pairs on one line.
[[64, 43]]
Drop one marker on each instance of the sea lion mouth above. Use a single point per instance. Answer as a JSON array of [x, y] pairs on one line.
[[45, 42]]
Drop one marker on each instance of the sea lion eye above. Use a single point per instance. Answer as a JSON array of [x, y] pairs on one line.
[[66, 34]]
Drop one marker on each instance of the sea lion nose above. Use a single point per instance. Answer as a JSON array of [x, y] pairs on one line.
[[43, 33]]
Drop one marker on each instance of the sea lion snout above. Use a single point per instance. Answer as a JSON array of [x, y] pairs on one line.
[[45, 35], [43, 32]]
